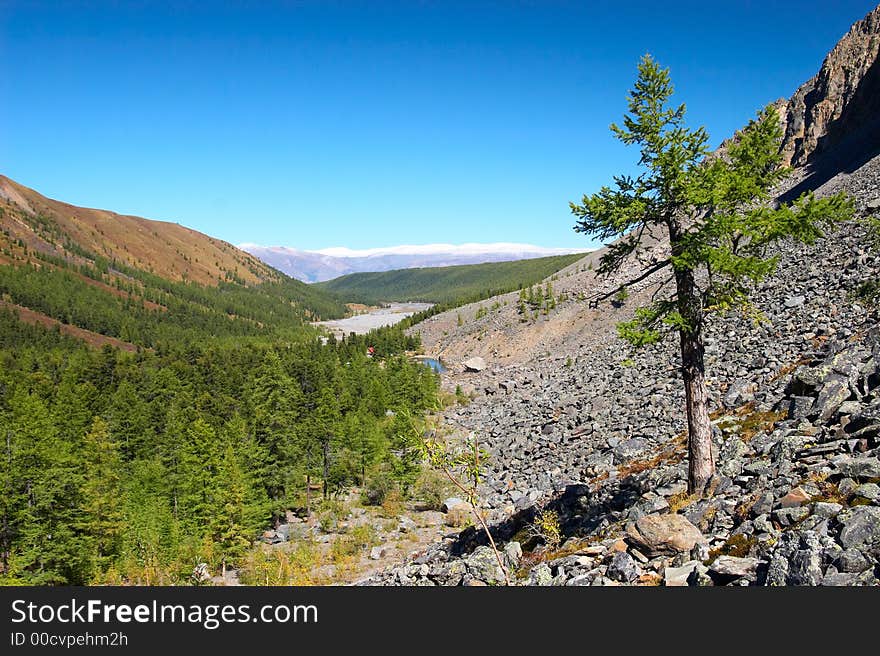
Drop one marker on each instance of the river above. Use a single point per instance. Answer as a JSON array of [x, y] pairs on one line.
[[361, 324]]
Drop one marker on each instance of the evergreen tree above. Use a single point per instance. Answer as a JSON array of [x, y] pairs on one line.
[[102, 502], [718, 219]]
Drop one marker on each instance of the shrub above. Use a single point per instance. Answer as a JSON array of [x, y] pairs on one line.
[[392, 504], [547, 529], [379, 485], [431, 489]]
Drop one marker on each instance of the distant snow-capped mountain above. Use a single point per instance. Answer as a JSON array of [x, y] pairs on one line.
[[329, 263]]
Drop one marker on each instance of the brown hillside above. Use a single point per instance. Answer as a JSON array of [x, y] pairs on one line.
[[166, 249]]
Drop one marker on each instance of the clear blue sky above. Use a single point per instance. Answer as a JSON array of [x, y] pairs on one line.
[[365, 124]]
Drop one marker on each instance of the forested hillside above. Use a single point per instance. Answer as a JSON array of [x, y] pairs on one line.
[[448, 285], [199, 420]]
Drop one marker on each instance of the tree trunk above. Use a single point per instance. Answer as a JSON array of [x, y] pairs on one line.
[[326, 464], [701, 464]]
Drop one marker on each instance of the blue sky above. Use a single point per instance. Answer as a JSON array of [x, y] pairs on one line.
[[366, 124]]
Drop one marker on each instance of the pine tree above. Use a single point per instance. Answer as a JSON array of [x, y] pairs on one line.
[[718, 219], [102, 501], [327, 418]]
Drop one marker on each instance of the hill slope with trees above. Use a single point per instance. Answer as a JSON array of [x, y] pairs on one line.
[[153, 422], [446, 285]]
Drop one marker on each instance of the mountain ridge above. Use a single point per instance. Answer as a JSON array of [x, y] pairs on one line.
[[329, 263]]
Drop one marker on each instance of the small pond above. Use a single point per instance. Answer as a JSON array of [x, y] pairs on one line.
[[434, 363]]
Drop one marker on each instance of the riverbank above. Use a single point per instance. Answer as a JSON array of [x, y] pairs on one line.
[[360, 324]]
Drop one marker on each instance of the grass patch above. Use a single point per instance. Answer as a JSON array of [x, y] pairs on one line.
[[739, 546], [786, 369], [673, 453], [748, 422], [681, 500]]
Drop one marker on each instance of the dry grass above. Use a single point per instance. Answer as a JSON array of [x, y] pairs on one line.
[[749, 422], [167, 249], [786, 369], [681, 500], [673, 453]]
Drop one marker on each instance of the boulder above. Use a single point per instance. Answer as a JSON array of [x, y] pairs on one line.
[[858, 468], [733, 567], [540, 575], [800, 406], [860, 528], [832, 395], [475, 364], [483, 566], [512, 554], [622, 568], [452, 502], [797, 497], [659, 534], [678, 576]]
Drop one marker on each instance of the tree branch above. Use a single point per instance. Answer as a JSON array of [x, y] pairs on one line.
[[645, 274]]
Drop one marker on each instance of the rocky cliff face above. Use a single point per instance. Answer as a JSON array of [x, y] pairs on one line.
[[838, 110]]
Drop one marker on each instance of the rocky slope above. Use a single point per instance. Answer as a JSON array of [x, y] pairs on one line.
[[839, 108], [795, 406], [577, 424]]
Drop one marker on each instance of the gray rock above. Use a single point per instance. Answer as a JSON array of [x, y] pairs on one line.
[[405, 524], [805, 568], [622, 568], [834, 392], [540, 575], [777, 571], [678, 576], [483, 566], [826, 510], [860, 528], [790, 516], [579, 580], [740, 392], [795, 301], [870, 491], [378, 553], [852, 561], [839, 579], [512, 554], [800, 406], [630, 449], [858, 468]]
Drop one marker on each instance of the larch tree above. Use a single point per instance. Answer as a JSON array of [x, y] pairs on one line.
[[102, 499], [716, 214]]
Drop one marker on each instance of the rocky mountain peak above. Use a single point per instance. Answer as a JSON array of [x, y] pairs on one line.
[[837, 112]]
